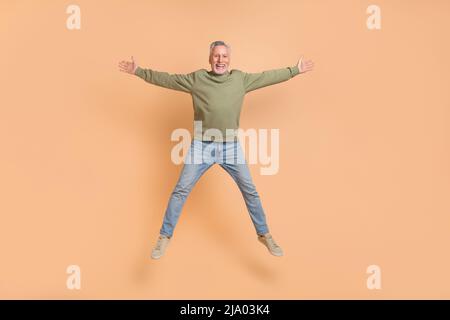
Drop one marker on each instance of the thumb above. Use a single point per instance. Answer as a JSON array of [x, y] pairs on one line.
[[299, 64]]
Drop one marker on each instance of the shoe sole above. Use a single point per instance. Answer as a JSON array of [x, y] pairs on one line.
[[155, 257]]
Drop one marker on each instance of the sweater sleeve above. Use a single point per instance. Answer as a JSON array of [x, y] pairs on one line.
[[253, 81], [179, 82]]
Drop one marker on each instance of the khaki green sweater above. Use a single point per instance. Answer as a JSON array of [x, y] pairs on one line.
[[217, 99]]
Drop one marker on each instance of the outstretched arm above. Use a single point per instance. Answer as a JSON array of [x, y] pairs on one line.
[[253, 81], [180, 82]]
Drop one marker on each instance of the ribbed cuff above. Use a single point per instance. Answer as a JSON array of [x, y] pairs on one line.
[[138, 71], [294, 70]]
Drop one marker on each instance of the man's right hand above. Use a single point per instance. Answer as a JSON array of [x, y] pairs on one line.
[[128, 66]]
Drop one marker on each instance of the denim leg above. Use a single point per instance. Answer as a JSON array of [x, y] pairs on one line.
[[240, 173], [189, 176]]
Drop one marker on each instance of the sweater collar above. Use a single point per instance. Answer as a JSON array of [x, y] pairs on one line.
[[212, 73]]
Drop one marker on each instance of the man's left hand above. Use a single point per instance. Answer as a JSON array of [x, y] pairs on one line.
[[305, 65]]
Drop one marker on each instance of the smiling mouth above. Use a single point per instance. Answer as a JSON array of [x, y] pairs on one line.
[[220, 66]]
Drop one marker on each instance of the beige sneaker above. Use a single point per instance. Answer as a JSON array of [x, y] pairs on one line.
[[160, 248], [270, 243]]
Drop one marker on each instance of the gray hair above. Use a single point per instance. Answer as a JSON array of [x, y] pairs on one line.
[[219, 43]]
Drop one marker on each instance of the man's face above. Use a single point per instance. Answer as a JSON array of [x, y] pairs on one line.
[[219, 59]]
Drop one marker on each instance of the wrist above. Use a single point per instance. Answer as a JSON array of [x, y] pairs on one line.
[[296, 70]]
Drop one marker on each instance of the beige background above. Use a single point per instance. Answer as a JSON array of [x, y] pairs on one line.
[[364, 151]]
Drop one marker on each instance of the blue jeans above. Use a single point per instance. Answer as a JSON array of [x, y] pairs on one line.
[[200, 157]]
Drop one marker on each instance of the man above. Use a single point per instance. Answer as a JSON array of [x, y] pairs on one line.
[[217, 97]]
